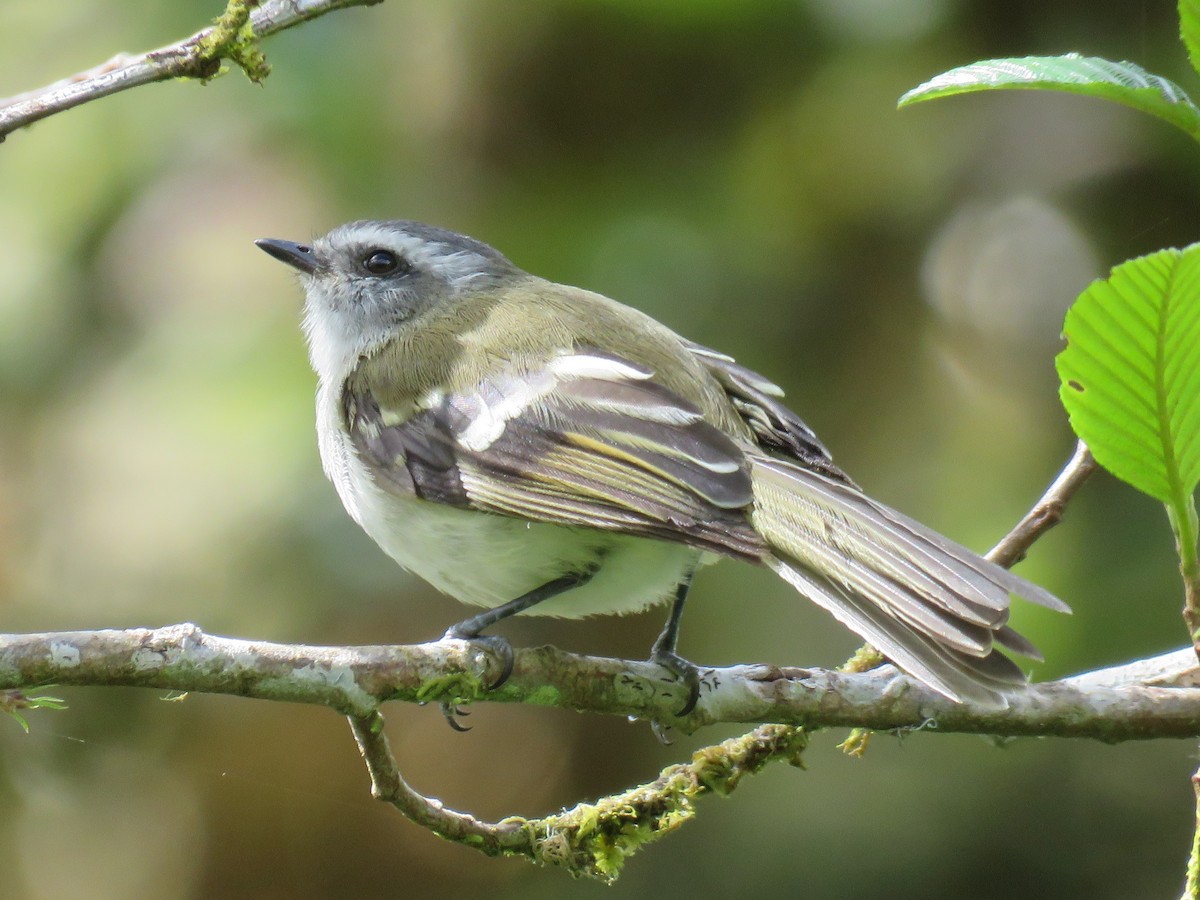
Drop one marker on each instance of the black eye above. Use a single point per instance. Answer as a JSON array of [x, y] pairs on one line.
[[381, 262]]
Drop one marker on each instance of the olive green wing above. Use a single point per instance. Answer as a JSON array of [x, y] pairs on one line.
[[588, 439]]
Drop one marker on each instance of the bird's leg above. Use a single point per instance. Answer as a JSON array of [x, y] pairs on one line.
[[469, 630], [663, 649]]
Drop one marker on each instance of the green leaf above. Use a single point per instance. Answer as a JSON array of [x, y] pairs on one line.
[[1131, 373], [1121, 82], [1189, 30]]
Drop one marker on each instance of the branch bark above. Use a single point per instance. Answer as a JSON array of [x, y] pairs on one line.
[[234, 36], [1047, 512], [1114, 705]]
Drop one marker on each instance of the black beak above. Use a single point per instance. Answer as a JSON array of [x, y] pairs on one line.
[[298, 256]]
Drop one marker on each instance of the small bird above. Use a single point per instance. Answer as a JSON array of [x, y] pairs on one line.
[[537, 448]]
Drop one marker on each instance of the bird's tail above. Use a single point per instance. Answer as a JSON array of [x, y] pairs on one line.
[[933, 607]]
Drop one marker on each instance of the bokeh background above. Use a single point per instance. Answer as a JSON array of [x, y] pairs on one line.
[[736, 169]]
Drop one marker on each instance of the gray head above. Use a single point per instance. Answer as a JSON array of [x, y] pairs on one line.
[[364, 280]]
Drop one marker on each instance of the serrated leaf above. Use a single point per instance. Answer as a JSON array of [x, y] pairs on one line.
[[1131, 372], [1189, 30], [1122, 82]]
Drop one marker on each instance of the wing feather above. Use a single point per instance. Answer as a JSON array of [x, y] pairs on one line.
[[588, 439], [759, 402]]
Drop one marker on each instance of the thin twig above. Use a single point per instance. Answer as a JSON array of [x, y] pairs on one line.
[[199, 57], [1047, 512], [387, 784]]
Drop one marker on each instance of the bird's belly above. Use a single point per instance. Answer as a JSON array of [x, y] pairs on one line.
[[488, 559]]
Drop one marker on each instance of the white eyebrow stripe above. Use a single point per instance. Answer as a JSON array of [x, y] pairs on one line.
[[458, 267]]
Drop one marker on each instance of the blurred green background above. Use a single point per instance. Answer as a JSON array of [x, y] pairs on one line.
[[736, 169]]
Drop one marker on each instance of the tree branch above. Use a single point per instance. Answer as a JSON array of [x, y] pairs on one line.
[[388, 784], [355, 680], [234, 36], [1047, 512], [591, 839]]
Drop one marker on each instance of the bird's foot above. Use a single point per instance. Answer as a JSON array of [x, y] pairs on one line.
[[684, 671]]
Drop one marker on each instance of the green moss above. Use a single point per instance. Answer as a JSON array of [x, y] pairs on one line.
[[864, 659], [546, 695], [232, 38], [595, 839], [459, 687], [856, 742]]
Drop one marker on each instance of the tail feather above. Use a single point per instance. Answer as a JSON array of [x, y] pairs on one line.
[[934, 607], [998, 575], [871, 577], [858, 527], [959, 676], [1017, 643]]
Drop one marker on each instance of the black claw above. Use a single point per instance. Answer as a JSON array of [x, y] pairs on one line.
[[683, 670], [498, 646], [451, 713], [469, 629]]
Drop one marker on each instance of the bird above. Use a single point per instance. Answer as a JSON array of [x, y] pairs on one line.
[[538, 448]]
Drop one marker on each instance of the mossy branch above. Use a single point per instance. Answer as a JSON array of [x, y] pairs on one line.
[[591, 839], [1153, 698]]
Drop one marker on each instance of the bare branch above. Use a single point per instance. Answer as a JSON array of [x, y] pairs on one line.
[[1175, 669], [387, 784], [355, 680], [234, 36], [1047, 512]]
